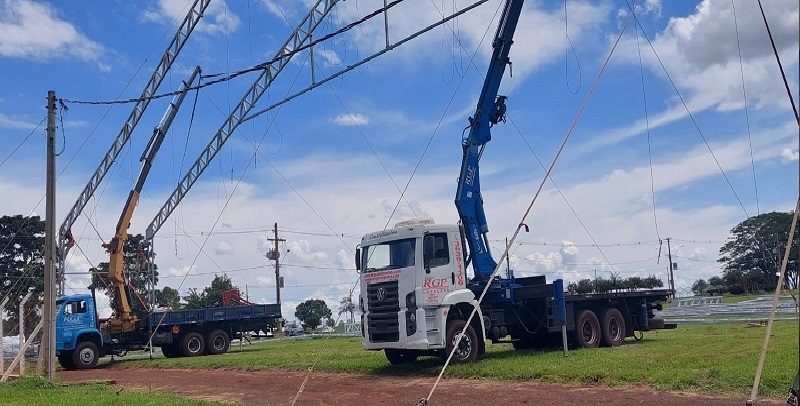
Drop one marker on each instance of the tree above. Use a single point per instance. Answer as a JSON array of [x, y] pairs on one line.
[[137, 252], [168, 297], [757, 244], [312, 311], [347, 306], [211, 295], [699, 287], [21, 268]]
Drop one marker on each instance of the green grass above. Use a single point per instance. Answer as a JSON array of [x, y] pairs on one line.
[[35, 391], [714, 359]]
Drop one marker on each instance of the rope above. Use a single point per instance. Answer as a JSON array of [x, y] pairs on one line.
[[530, 206]]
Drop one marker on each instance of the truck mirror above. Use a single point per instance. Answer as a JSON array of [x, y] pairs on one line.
[[358, 259]]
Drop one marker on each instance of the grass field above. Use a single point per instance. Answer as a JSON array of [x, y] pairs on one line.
[[34, 391], [712, 359]]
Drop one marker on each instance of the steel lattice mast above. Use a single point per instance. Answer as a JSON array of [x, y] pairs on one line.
[[298, 38], [65, 240]]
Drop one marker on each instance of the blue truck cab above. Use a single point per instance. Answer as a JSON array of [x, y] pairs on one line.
[[79, 343]]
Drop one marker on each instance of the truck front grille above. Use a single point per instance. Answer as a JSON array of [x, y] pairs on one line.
[[383, 303]]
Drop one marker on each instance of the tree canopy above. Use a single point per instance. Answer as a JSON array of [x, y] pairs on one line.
[[211, 296], [135, 259], [753, 253], [168, 298], [21, 268], [312, 311]]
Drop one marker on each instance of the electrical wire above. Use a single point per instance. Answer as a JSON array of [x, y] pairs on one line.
[[224, 77], [24, 140], [780, 65], [691, 116], [647, 126], [746, 110]]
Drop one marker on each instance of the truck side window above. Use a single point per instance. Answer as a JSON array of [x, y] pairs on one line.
[[441, 251], [75, 307]]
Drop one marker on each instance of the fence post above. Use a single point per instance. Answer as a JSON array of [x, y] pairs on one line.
[[22, 330], [2, 348]]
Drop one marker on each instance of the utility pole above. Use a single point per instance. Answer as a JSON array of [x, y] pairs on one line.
[[671, 277], [275, 255], [48, 346]]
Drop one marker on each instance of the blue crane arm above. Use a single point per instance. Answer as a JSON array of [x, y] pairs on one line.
[[490, 110]]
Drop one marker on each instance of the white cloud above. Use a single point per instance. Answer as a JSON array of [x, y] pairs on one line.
[[701, 53], [352, 119], [217, 19], [224, 248], [15, 123], [789, 155], [653, 7], [33, 30], [330, 56]]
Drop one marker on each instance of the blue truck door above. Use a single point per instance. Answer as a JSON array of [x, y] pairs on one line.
[[75, 315]]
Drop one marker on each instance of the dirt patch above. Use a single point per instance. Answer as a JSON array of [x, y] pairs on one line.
[[331, 389]]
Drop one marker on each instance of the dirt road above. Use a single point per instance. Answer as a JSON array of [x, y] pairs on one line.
[[329, 389]]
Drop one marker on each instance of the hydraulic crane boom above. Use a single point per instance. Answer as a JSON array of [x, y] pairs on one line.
[[491, 110], [65, 240], [125, 320]]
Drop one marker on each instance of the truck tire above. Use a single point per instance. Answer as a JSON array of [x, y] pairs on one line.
[[612, 328], [217, 342], [170, 351], [65, 360], [467, 350], [85, 355], [193, 345], [587, 330], [399, 357]]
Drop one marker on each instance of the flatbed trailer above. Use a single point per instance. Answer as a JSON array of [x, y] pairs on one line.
[[82, 338]]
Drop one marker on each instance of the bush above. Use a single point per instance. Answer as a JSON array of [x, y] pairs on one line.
[[736, 290]]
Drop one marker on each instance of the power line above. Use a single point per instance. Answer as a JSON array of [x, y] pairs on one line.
[[22, 143], [224, 77]]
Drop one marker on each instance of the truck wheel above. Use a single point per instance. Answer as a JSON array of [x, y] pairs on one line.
[[193, 345], [217, 342], [467, 350], [85, 355], [613, 328], [65, 360], [399, 357], [587, 329], [170, 351]]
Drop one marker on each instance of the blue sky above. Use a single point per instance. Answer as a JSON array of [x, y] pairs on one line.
[[323, 165]]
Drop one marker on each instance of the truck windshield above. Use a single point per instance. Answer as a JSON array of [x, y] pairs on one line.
[[389, 255]]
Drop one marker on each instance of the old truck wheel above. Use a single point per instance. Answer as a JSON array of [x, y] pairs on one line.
[[587, 329], [217, 342], [467, 349], [65, 360], [399, 357], [85, 355], [193, 345], [612, 328]]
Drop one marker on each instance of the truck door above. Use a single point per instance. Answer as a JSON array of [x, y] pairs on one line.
[[441, 275], [73, 316]]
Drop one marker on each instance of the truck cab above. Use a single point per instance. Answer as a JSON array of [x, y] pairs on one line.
[[414, 291], [78, 340]]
